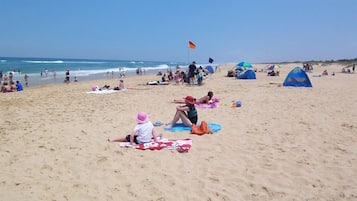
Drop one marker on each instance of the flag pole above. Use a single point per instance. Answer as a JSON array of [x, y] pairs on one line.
[[191, 45], [188, 55]]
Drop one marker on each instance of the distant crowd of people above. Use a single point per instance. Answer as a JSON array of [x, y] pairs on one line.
[[308, 67], [348, 70], [8, 83], [192, 76]]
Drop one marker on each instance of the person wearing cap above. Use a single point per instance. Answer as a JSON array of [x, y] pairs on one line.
[[143, 132], [187, 113], [191, 73]]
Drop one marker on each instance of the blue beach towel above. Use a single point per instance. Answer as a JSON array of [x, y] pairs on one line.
[[214, 127]]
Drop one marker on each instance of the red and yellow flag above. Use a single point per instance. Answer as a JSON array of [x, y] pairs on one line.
[[191, 45]]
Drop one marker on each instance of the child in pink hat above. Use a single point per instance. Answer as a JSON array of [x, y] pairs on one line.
[[143, 132]]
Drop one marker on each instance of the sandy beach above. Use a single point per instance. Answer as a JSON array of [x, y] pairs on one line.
[[284, 143]]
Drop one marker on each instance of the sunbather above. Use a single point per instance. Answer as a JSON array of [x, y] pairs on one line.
[[205, 99]]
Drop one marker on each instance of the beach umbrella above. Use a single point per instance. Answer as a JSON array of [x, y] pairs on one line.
[[273, 67], [244, 64]]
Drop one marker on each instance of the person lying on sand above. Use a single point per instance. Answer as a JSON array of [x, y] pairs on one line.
[[157, 83], [205, 99], [96, 88]]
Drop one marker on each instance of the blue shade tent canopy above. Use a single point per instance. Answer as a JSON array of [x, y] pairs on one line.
[[297, 77], [209, 69], [248, 74], [244, 64]]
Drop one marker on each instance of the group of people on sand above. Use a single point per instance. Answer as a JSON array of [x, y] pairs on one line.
[[107, 87], [144, 131], [194, 75], [308, 67], [9, 85], [178, 77], [348, 70]]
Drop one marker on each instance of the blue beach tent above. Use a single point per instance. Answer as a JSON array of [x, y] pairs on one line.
[[249, 74], [209, 69], [297, 77]]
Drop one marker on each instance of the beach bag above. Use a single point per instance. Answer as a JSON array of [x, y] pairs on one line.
[[202, 129]]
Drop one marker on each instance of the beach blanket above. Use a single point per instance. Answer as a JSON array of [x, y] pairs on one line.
[[207, 105], [214, 127], [181, 146], [213, 104], [108, 91], [105, 91], [157, 83]]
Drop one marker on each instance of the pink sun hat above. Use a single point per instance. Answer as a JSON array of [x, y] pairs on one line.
[[95, 88], [142, 117]]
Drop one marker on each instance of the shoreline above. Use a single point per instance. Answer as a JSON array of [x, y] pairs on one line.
[[50, 80]]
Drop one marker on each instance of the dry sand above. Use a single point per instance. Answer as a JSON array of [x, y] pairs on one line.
[[282, 144]]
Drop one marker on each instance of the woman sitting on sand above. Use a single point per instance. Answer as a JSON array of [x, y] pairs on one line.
[[188, 118], [13, 86], [205, 99], [120, 86]]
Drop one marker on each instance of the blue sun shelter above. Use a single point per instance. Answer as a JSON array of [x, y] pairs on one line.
[[248, 74], [244, 64], [297, 77], [209, 69]]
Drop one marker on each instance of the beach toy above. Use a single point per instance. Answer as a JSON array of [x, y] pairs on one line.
[[157, 123], [239, 104]]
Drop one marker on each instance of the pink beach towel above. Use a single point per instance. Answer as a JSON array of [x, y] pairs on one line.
[[214, 104], [181, 146]]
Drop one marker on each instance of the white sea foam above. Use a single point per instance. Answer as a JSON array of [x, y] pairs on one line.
[[63, 62], [159, 67], [84, 62], [44, 62]]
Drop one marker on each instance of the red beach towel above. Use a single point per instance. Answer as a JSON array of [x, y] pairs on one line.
[[181, 146]]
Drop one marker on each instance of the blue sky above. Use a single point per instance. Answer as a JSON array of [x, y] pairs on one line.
[[159, 30]]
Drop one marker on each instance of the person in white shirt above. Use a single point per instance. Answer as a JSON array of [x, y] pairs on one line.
[[143, 132]]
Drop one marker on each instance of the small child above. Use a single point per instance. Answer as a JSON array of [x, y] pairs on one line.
[[143, 132]]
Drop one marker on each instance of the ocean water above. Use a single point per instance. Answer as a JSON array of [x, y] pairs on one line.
[[52, 70]]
